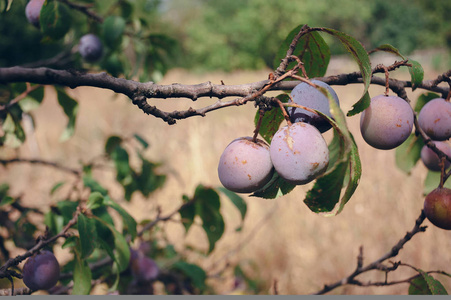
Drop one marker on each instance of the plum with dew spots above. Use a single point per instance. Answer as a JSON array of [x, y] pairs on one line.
[[299, 153], [435, 119], [387, 122], [431, 160], [245, 166]]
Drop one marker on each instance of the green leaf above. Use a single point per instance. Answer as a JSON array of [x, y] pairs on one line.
[[187, 213], [344, 172], [111, 144], [121, 162], [360, 55], [87, 232], [353, 174], [275, 188], [326, 191], [56, 187], [239, 203], [67, 209], [54, 222], [92, 184], [425, 284], [416, 73], [4, 188], [271, 120], [193, 272], [121, 253], [7, 200], [141, 140], [409, 152], [103, 214], [128, 221], [71, 242], [82, 276], [360, 105], [432, 181], [55, 19], [148, 180], [104, 235], [208, 209], [388, 48], [14, 133], [311, 49], [423, 99], [113, 29], [95, 200], [70, 108], [33, 100], [416, 70]]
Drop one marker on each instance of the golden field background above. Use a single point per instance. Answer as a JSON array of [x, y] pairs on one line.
[[290, 244]]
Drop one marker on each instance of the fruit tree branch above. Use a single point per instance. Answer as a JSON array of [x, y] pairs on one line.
[[376, 265], [139, 92], [41, 242], [40, 162], [85, 9]]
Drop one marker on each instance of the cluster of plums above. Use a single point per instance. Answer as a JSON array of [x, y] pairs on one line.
[[388, 122], [41, 271], [90, 46], [298, 152], [435, 120]]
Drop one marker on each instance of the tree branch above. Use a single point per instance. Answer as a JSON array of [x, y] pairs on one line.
[[140, 92], [376, 265], [84, 9], [42, 241], [40, 162]]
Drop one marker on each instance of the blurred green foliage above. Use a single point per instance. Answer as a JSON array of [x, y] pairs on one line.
[[222, 34], [228, 35]]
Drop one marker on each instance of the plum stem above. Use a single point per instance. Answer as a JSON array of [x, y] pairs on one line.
[[259, 124], [284, 112]]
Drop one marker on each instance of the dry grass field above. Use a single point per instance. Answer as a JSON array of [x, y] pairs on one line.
[[299, 249]]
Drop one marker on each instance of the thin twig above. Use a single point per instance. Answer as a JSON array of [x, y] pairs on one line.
[[20, 97], [41, 162], [85, 9], [258, 226], [42, 242], [375, 265]]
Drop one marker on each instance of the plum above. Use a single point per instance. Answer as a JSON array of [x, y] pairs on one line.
[[435, 119], [245, 166], [431, 160], [299, 153], [387, 122], [309, 96], [90, 47], [437, 207], [144, 269], [41, 271], [33, 11]]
